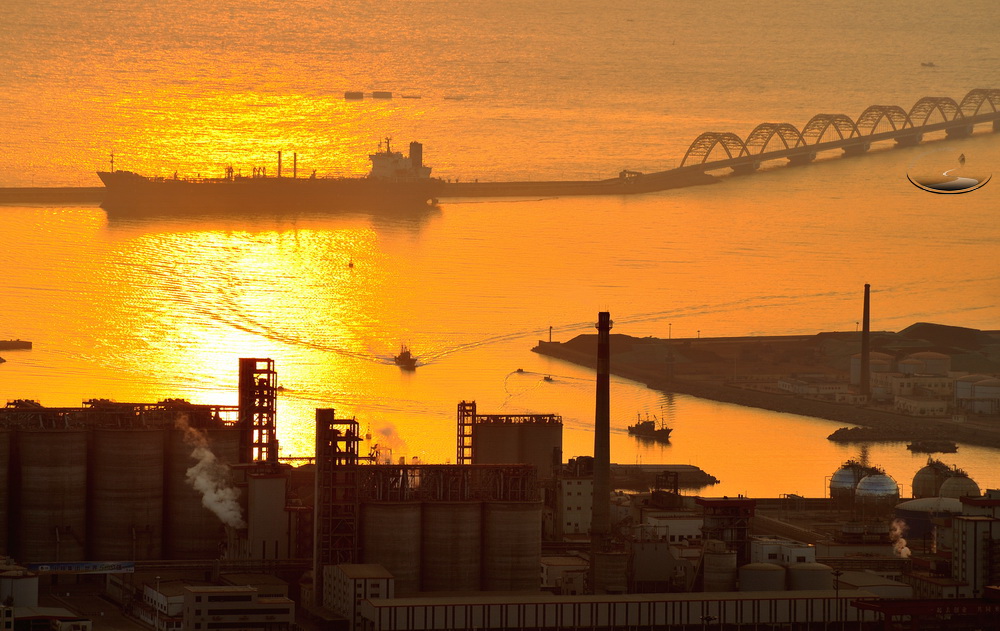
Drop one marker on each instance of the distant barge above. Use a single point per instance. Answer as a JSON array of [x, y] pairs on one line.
[[14, 345]]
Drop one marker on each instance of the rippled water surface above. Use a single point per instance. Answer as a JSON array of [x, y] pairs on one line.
[[148, 309]]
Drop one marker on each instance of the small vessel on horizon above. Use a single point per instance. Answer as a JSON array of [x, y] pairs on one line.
[[405, 359], [648, 429]]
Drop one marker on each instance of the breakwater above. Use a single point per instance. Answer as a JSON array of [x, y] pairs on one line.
[[885, 425]]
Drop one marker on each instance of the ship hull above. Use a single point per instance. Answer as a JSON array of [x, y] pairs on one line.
[[128, 193]]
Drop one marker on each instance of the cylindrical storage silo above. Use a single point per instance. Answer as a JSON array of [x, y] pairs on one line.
[[52, 470], [496, 443], [986, 395], [541, 445], [810, 576], [4, 491], [512, 545], [451, 546], [964, 385], [390, 536], [719, 566], [192, 531], [762, 577], [126, 494]]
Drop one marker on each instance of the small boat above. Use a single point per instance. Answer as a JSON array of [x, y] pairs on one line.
[[927, 64], [547, 377], [405, 359], [933, 446], [647, 429]]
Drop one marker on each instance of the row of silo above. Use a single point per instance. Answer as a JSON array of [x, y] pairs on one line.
[[107, 494], [978, 393], [771, 577], [454, 545]]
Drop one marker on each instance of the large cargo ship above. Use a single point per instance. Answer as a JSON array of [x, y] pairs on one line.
[[395, 182]]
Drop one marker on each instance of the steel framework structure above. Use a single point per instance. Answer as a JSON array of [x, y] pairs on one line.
[[258, 389], [467, 417]]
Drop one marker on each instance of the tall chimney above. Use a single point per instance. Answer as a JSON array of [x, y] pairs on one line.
[[866, 388], [600, 525], [279, 164]]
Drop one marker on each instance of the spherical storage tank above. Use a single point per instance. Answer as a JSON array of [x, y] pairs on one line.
[[451, 546], [762, 577], [960, 486], [391, 536], [53, 491], [845, 480], [877, 492], [126, 484], [810, 576], [927, 481], [512, 544]]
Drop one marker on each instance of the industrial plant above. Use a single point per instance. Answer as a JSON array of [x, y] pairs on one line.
[[184, 517]]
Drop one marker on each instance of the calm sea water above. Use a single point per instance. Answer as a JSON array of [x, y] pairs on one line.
[[142, 310]]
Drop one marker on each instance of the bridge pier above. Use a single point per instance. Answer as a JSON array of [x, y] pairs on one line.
[[858, 149], [909, 141], [746, 168], [961, 131], [996, 125], [801, 158]]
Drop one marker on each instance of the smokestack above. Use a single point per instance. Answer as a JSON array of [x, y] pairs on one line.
[[865, 347], [295, 165], [600, 525], [416, 155], [279, 164]]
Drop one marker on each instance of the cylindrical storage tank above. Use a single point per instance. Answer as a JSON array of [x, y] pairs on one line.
[[451, 546], [910, 366], [4, 492], [960, 486], [932, 363], [918, 514], [877, 362], [52, 470], [390, 536], [541, 445], [964, 385], [126, 494], [987, 395], [496, 443], [192, 531], [719, 566], [512, 546], [810, 576], [762, 577]]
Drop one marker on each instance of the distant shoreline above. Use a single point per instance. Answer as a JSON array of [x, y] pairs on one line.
[[51, 194], [888, 426]]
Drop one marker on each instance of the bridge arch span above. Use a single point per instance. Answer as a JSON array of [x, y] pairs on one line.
[[922, 109], [762, 135], [973, 102], [875, 114], [819, 124], [704, 144]]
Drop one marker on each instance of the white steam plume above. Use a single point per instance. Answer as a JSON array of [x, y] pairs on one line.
[[210, 477], [899, 547]]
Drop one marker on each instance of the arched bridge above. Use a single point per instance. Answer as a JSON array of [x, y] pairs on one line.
[[823, 132]]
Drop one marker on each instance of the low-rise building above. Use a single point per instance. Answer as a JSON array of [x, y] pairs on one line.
[[234, 607], [346, 585]]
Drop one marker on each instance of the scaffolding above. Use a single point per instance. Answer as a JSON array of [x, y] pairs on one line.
[[335, 529], [258, 391]]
